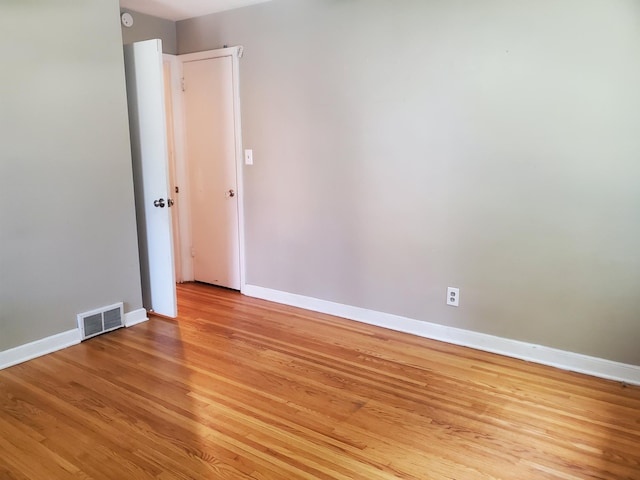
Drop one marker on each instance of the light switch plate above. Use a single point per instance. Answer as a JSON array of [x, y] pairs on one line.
[[248, 157]]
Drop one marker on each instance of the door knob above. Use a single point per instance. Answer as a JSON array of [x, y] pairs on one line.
[[170, 202], [159, 203]]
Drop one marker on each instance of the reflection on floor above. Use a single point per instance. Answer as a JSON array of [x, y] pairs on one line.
[[240, 388]]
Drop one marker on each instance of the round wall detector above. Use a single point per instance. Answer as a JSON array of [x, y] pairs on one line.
[[127, 19]]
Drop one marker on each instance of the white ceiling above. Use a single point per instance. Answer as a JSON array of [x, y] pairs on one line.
[[181, 9]]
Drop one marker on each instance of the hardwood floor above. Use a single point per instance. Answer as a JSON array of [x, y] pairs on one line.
[[240, 388]]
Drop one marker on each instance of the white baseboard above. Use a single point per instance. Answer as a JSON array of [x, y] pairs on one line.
[[29, 351], [575, 362], [135, 317], [51, 344]]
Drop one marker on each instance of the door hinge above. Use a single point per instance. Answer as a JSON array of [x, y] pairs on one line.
[[184, 88], [193, 252]]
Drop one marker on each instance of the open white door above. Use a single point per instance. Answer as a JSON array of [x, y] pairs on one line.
[[145, 94]]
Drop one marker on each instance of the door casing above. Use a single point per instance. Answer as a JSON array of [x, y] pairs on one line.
[[181, 170]]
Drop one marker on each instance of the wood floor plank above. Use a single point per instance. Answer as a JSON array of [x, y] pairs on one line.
[[239, 388]]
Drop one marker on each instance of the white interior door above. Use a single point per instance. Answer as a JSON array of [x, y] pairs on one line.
[[145, 94], [211, 157]]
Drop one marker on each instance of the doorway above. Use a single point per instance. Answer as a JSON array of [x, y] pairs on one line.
[[210, 147], [207, 166], [168, 185]]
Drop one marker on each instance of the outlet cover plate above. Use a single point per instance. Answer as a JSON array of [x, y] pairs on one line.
[[453, 296]]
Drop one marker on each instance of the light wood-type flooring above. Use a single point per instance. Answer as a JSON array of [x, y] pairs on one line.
[[239, 388]]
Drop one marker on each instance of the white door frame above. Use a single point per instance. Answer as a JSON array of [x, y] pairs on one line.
[[181, 155], [183, 251]]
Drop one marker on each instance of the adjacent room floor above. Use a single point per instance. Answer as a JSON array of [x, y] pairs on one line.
[[239, 388]]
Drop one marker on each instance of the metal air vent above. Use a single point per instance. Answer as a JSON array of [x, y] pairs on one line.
[[101, 320]]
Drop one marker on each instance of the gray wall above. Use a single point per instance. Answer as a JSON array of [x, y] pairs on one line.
[[403, 147], [147, 27], [67, 223]]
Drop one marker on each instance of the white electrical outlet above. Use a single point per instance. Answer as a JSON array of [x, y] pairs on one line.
[[453, 296]]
